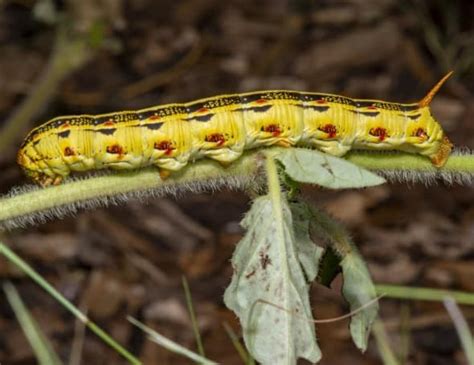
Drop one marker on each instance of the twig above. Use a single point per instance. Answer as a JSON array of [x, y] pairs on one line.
[[69, 53]]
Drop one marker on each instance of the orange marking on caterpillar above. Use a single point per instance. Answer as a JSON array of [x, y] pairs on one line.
[[427, 99], [330, 129], [68, 151], [115, 149], [420, 132], [109, 123], [379, 132], [216, 138], [166, 146], [261, 101], [274, 129], [202, 110]]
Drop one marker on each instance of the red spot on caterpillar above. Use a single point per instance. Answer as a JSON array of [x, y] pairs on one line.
[[68, 151], [115, 149], [321, 101], [164, 146], [274, 129], [65, 125], [154, 117], [330, 129], [261, 101], [379, 132], [372, 107], [216, 138], [420, 132], [109, 123], [202, 110]]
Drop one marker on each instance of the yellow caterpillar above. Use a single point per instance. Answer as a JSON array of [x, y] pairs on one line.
[[222, 127]]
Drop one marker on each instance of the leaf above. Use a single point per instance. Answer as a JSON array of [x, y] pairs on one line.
[[314, 167], [268, 269], [309, 254], [358, 288]]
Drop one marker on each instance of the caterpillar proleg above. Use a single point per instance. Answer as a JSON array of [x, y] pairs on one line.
[[222, 127]]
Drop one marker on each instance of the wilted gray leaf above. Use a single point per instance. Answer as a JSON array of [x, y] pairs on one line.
[[267, 269]]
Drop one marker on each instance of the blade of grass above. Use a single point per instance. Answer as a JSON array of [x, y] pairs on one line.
[[41, 346], [244, 355], [383, 344], [78, 341], [28, 270], [405, 333], [170, 345], [189, 302], [462, 328], [417, 293]]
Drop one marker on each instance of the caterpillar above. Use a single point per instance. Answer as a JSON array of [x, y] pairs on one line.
[[222, 127]]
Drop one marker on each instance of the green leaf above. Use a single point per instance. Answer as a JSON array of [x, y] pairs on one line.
[[314, 167], [358, 288], [269, 291], [309, 255]]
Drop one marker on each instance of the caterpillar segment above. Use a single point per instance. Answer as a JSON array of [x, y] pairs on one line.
[[222, 127]]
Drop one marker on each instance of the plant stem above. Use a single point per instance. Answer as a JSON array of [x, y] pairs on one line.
[[462, 328], [383, 345], [39, 205], [417, 293], [189, 302], [68, 54]]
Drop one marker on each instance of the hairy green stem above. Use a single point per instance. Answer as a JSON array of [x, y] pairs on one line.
[[24, 206], [459, 163]]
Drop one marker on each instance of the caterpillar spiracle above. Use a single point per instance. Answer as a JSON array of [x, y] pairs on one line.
[[222, 127]]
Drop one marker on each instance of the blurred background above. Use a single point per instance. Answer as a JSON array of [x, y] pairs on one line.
[[95, 56]]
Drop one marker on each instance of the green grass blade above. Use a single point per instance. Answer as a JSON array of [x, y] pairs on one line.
[[170, 345], [38, 341], [244, 355], [381, 338], [189, 302], [462, 328], [417, 293]]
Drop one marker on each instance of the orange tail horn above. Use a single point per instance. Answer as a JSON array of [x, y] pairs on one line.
[[427, 99]]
